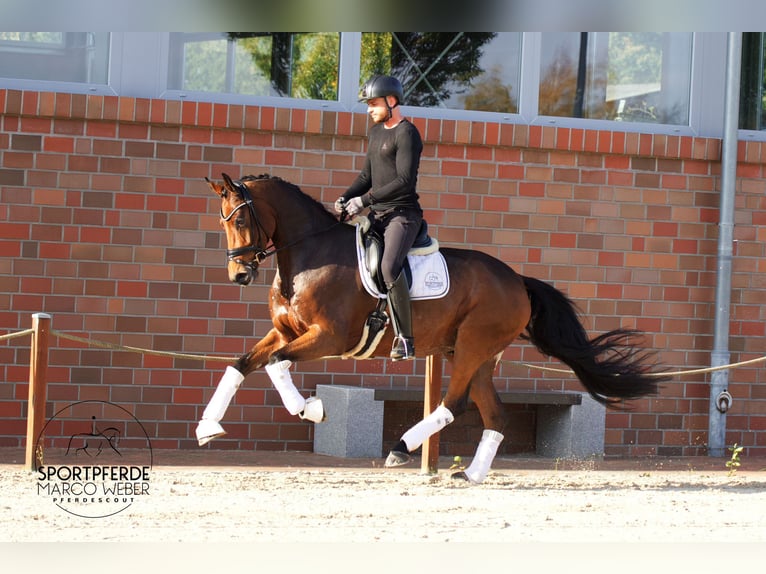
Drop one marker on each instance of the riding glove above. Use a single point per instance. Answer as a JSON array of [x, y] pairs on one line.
[[353, 206]]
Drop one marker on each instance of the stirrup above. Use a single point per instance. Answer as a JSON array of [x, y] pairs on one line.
[[403, 348]]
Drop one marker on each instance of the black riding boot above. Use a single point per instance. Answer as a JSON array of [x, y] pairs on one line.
[[401, 313]]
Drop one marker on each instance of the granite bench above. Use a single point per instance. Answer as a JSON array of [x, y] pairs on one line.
[[570, 425]]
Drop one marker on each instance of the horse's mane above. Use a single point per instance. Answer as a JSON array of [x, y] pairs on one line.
[[292, 187]]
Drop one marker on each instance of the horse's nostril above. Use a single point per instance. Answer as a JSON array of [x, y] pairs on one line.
[[242, 278]]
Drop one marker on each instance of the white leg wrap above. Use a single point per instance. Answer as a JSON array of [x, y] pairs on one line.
[[433, 423], [208, 428], [279, 374], [485, 454], [223, 394]]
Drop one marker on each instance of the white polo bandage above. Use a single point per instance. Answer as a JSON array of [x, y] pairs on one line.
[[433, 423], [485, 454], [279, 374], [223, 394]]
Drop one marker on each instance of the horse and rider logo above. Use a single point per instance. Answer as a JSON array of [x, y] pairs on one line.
[[94, 442]]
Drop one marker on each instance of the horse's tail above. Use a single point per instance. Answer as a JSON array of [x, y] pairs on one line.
[[608, 366]]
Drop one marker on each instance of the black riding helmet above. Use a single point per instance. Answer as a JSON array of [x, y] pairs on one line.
[[381, 86]]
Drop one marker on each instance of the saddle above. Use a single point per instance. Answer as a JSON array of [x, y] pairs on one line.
[[372, 243], [425, 269]]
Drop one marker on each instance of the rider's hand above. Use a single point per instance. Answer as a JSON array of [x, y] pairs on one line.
[[354, 206], [340, 204]]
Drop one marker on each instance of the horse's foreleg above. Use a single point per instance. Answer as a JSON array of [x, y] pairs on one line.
[[312, 344], [309, 409], [209, 426]]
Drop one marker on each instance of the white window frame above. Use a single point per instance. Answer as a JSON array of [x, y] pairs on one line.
[[111, 88], [139, 68]]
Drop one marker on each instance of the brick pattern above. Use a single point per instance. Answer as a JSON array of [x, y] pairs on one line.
[[107, 225]]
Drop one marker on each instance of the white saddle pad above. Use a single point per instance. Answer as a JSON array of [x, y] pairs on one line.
[[430, 277]]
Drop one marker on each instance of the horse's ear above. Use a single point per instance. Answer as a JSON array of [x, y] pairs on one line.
[[229, 183], [217, 189]]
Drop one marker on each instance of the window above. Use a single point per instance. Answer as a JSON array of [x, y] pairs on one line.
[[621, 76], [753, 82], [81, 57], [256, 63], [458, 70]]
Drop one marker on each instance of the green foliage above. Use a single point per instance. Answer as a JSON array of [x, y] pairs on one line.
[[432, 66], [734, 462], [376, 55], [635, 57], [287, 64]]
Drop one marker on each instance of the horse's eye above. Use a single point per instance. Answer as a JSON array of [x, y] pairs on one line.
[[240, 222]]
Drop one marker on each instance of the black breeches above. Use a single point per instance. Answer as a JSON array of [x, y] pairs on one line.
[[399, 230]]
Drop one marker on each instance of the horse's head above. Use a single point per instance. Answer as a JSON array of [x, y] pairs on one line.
[[245, 236]]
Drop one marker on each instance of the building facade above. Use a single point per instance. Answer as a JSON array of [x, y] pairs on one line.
[[592, 161]]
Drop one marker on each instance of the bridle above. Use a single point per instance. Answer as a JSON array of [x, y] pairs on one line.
[[256, 229]]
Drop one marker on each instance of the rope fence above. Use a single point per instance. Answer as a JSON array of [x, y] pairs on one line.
[[15, 335], [662, 374], [116, 347], [226, 359]]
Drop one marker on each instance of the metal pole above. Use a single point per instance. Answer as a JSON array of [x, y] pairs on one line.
[[38, 368], [719, 381], [429, 463]]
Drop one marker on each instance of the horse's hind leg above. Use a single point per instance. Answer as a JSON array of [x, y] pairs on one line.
[[454, 404], [483, 393], [417, 435]]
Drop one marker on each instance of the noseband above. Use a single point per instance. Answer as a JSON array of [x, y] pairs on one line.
[[260, 253]]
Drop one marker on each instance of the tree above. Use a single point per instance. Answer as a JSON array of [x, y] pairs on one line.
[[432, 66], [490, 95], [297, 65]]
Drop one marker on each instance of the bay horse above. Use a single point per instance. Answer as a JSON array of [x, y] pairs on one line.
[[319, 307]]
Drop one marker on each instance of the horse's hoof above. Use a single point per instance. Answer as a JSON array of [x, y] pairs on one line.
[[207, 430], [396, 458], [313, 411], [465, 478]]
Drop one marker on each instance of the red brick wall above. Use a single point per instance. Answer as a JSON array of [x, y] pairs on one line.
[[107, 225]]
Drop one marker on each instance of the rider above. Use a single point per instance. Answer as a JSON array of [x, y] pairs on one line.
[[386, 185]]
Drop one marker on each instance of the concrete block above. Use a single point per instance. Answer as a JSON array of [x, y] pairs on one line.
[[573, 432], [354, 425]]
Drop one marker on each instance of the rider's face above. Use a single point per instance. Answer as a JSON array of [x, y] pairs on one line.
[[377, 109]]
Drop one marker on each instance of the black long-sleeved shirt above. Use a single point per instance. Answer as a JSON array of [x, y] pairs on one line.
[[390, 173]]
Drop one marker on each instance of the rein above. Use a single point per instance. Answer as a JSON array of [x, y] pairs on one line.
[[260, 253]]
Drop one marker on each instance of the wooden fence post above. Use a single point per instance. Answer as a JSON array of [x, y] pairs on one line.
[[38, 368], [429, 463]]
